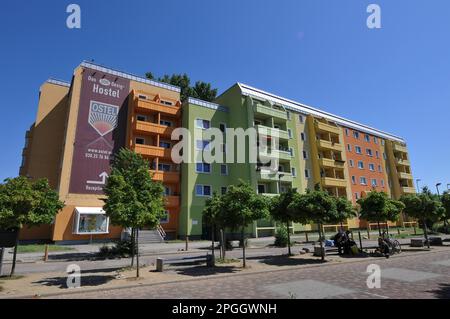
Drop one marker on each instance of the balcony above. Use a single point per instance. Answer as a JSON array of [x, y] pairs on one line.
[[147, 127], [403, 162], [327, 162], [275, 154], [153, 151], [320, 126], [266, 111], [334, 182], [153, 106], [270, 131], [408, 190], [166, 177], [405, 175], [327, 145], [172, 201], [400, 148], [270, 176]]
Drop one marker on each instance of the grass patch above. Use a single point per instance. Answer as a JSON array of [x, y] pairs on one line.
[[40, 248], [226, 260]]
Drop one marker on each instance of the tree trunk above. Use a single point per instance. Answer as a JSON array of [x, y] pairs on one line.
[[213, 244], [289, 240], [137, 252], [13, 267], [322, 252], [379, 228], [133, 244], [2, 251], [243, 248], [224, 244], [425, 232]]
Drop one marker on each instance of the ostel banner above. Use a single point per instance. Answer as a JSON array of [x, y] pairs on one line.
[[100, 130]]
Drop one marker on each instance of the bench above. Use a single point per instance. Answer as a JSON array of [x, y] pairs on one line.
[[417, 242], [160, 262]]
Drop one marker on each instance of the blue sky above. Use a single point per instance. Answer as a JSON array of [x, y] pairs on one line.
[[317, 52]]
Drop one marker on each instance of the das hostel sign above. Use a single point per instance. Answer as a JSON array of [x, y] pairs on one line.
[[100, 130]]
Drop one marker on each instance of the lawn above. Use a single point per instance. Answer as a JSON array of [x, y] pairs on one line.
[[40, 248]]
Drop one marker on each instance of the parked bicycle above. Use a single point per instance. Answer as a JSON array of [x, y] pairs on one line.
[[388, 246]]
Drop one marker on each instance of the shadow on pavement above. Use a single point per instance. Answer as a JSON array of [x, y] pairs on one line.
[[284, 260], [443, 292], [206, 271], [73, 256]]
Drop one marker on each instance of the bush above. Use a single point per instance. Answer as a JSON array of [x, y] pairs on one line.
[[121, 249], [281, 236]]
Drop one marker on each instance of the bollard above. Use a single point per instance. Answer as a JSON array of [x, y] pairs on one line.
[[306, 234], [415, 231], [368, 233], [360, 242], [46, 253], [159, 264]]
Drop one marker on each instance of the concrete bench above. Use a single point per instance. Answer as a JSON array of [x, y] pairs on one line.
[[417, 242], [435, 241], [160, 262]]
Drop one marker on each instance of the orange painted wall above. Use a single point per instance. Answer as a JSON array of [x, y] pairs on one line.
[[366, 172]]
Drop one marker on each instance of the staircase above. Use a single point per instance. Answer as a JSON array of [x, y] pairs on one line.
[[150, 236]]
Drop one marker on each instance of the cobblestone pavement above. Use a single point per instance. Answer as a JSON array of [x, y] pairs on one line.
[[425, 275]]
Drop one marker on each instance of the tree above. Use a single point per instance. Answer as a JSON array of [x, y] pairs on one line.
[[445, 200], [423, 206], [281, 212], [201, 90], [317, 206], [344, 210], [378, 207], [242, 206], [212, 215], [133, 199], [23, 202]]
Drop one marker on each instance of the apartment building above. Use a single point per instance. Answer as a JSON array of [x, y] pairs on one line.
[[80, 125]]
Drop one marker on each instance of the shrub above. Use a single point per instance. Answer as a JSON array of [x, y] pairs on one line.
[[120, 249], [281, 236]]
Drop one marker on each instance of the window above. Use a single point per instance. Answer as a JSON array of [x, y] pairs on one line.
[[377, 154], [361, 165], [363, 181], [367, 138], [301, 118], [382, 142], [302, 136], [140, 140], [288, 115], [141, 117], [90, 220], [164, 167], [166, 218], [349, 147], [291, 151], [166, 123], [203, 168], [356, 135], [382, 182], [202, 190], [307, 173], [289, 133], [380, 169], [372, 167], [375, 140], [223, 190], [223, 169], [261, 188], [305, 154], [351, 163], [165, 102], [358, 150], [384, 155], [353, 180], [293, 172], [369, 152], [346, 131], [202, 124], [164, 144], [202, 145], [167, 191], [374, 182], [222, 127]]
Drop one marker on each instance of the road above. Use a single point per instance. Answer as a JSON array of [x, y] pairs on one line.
[[419, 275]]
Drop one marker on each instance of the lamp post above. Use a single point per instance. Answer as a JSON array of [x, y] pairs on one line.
[[437, 189], [417, 184]]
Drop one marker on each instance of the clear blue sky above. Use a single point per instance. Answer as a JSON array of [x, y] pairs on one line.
[[314, 51]]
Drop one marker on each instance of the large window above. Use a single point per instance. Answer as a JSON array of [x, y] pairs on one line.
[[202, 145], [203, 168], [358, 150], [203, 124], [90, 221], [202, 190]]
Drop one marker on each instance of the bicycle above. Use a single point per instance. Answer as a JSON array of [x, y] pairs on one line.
[[388, 246]]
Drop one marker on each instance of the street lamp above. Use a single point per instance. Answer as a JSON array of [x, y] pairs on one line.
[[437, 188], [417, 184]]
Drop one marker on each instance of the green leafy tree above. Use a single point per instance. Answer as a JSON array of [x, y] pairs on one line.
[[213, 216], [201, 90], [27, 203], [317, 206], [242, 206], [133, 199], [445, 200], [423, 206], [344, 210]]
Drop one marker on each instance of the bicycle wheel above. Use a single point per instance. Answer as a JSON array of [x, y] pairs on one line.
[[397, 248]]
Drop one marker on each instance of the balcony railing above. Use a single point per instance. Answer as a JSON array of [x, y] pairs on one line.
[[154, 151], [172, 201], [327, 127], [270, 112], [408, 190], [405, 175], [154, 106], [323, 144], [281, 155], [334, 182], [166, 177], [400, 148], [266, 175], [328, 162], [403, 162], [271, 131], [147, 127]]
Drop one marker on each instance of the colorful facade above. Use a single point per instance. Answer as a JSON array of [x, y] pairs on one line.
[[102, 110]]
